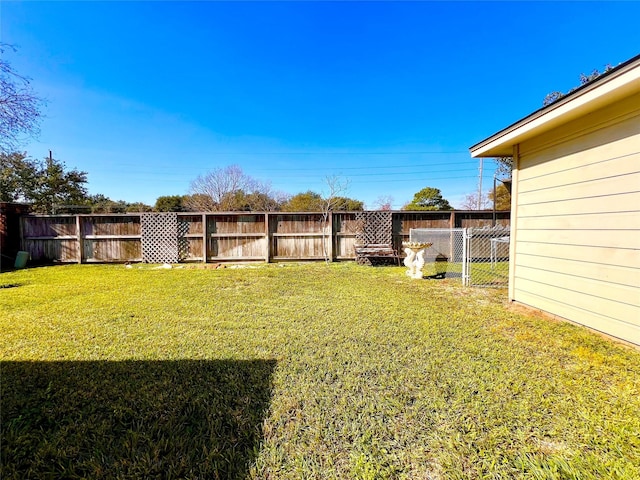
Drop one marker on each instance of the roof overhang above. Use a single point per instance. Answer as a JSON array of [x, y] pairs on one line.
[[608, 88]]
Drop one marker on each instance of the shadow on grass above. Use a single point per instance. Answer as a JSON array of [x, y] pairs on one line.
[[132, 419]]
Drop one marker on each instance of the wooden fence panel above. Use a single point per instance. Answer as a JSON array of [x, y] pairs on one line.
[[297, 223], [236, 237], [49, 226], [403, 222], [192, 224], [112, 250], [234, 224], [479, 219], [52, 250], [226, 236], [346, 228], [110, 225], [191, 232], [190, 249], [299, 248], [236, 248], [299, 236]]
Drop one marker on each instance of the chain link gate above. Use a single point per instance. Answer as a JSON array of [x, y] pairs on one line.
[[486, 257], [479, 256], [444, 258]]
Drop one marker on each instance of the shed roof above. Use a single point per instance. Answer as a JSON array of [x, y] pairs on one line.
[[609, 87]]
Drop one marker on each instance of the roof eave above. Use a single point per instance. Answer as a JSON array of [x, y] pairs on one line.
[[607, 88]]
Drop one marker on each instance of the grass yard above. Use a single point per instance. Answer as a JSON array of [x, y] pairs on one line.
[[307, 371]]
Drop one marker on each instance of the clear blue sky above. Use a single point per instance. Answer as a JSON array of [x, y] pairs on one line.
[[145, 96]]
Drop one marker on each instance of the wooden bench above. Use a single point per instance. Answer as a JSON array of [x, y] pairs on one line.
[[376, 253]]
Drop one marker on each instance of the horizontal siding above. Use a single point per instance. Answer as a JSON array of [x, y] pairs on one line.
[[609, 292], [577, 247], [579, 253], [602, 163], [625, 220], [609, 203], [626, 239], [606, 189], [604, 133], [574, 311], [588, 304], [628, 275]]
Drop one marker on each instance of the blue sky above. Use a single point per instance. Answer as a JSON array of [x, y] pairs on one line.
[[145, 96]]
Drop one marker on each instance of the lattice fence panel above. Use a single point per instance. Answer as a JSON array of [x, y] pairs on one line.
[[373, 227], [183, 241], [376, 227], [159, 237]]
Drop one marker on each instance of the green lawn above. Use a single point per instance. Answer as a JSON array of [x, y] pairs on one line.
[[301, 371]]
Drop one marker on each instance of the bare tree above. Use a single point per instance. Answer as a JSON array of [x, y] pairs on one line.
[[336, 189], [215, 190], [504, 166], [383, 202], [19, 106], [229, 189], [470, 202]]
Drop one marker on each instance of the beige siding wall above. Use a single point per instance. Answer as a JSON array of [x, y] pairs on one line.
[[577, 218]]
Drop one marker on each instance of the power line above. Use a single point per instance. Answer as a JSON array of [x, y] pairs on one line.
[[417, 152]]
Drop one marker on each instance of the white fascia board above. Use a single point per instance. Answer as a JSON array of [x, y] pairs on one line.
[[601, 93]]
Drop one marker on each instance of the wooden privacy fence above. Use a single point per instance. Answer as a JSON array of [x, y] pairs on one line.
[[220, 236]]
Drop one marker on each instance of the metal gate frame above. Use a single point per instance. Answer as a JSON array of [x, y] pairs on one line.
[[481, 252], [481, 248]]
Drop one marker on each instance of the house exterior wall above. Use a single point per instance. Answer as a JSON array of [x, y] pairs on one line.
[[575, 250]]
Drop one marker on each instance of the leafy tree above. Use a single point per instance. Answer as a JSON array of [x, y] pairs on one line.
[[57, 186], [136, 207], [47, 184], [19, 106], [584, 79], [308, 201], [428, 198], [170, 203], [252, 202], [346, 204], [198, 202], [503, 198], [18, 177], [100, 203]]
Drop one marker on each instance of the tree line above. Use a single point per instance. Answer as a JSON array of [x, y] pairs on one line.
[[52, 188]]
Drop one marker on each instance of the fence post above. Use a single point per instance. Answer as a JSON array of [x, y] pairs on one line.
[[23, 243], [205, 238], [80, 244], [267, 238], [466, 239], [330, 238]]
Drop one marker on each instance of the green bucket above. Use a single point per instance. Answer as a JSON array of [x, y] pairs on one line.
[[21, 260]]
